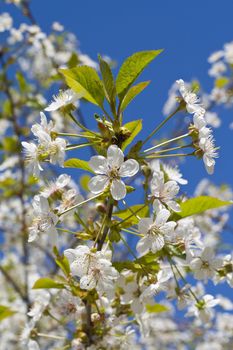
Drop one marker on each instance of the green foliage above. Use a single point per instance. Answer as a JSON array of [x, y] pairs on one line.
[[47, 283], [156, 308], [78, 163], [221, 82], [199, 205], [134, 127], [5, 312], [85, 81], [108, 81], [132, 93], [132, 212], [132, 67]]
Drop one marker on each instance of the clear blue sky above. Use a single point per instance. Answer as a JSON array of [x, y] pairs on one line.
[[188, 31]]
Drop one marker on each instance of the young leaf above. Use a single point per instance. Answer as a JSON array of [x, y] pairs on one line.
[[156, 308], [85, 81], [46, 283], [199, 205], [132, 93], [78, 163], [108, 81], [5, 312], [132, 212], [131, 68], [134, 127]]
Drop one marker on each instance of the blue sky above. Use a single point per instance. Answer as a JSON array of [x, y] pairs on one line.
[[189, 31]]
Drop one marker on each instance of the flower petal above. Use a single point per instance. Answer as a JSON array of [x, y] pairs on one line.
[[144, 225], [118, 190], [129, 168], [99, 164], [115, 156], [98, 183]]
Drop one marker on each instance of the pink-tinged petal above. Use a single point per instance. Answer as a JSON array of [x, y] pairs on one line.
[[115, 156], [144, 225], [118, 190], [99, 164], [129, 168], [98, 183]]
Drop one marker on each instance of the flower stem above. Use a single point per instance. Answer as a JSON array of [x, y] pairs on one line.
[[152, 156], [160, 125], [166, 142], [80, 204]]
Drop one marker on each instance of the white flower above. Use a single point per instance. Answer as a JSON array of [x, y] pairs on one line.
[[110, 170], [203, 312], [162, 277], [217, 69], [154, 232], [57, 27], [228, 52], [39, 305], [5, 22], [69, 199], [190, 98], [57, 151], [215, 56], [44, 221], [174, 174], [209, 152], [32, 157], [63, 99], [213, 119], [53, 187], [43, 127], [164, 192], [94, 269], [205, 265]]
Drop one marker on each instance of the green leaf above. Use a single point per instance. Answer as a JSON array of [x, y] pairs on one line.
[[132, 212], [5, 312], [22, 82], [132, 93], [132, 68], [156, 308], [199, 205], [84, 181], [108, 81], [221, 82], [85, 81], [64, 265], [46, 283], [134, 127], [78, 163]]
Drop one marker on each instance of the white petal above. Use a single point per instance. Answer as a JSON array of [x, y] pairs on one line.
[[129, 168], [63, 180], [143, 246], [157, 244], [173, 205], [162, 217], [118, 190], [98, 183], [115, 156], [87, 282], [99, 164], [144, 225]]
